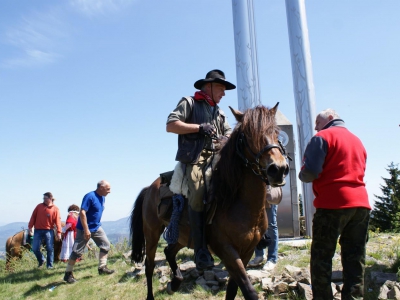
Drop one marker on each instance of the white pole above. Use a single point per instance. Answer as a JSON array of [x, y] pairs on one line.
[[303, 89], [248, 88]]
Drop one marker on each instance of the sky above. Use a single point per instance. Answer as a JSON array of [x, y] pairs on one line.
[[86, 87]]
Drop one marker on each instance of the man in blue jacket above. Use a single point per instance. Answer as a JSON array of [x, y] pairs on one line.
[[89, 226]]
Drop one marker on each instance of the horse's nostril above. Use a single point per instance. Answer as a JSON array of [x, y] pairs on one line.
[[272, 170], [286, 170]]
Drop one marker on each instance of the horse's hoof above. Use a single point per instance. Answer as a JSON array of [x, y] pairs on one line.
[[169, 289]]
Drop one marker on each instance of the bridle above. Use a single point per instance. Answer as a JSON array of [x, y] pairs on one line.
[[255, 165]]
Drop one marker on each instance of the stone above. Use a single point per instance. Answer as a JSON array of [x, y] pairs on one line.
[[394, 293], [292, 270], [164, 279], [255, 276], [222, 276], [280, 287], [194, 273], [215, 288], [337, 276], [267, 284], [383, 292], [212, 282], [334, 288], [127, 255], [187, 266], [209, 275], [305, 291], [380, 277], [293, 285]]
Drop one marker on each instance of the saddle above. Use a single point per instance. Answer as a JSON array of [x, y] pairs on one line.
[[165, 205], [26, 239]]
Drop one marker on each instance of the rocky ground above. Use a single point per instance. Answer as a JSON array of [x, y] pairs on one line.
[[291, 277]]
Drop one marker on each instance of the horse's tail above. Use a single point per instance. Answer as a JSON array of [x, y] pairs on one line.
[[137, 234]]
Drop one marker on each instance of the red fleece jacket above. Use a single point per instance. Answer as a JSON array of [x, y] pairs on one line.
[[45, 217], [335, 161]]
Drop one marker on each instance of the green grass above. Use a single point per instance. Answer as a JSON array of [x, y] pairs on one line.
[[29, 282]]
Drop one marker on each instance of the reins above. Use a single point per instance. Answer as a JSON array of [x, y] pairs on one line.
[[255, 166]]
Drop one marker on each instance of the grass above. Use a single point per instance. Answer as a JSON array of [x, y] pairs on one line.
[[29, 282]]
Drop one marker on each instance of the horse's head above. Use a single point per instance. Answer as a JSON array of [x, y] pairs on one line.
[[258, 146]]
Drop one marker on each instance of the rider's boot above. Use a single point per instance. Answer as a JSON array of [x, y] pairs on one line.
[[203, 257]]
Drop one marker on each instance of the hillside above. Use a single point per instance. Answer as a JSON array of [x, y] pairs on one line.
[[128, 282]]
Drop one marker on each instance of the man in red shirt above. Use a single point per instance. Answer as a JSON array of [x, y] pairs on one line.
[[44, 218], [334, 161]]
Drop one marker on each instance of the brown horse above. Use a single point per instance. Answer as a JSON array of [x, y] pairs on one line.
[[15, 247], [251, 157]]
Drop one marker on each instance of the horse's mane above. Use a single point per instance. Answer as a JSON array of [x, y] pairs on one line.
[[260, 129]]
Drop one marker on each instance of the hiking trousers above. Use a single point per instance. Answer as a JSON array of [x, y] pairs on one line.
[[351, 225]]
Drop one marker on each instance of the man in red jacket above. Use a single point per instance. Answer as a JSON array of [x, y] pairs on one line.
[[45, 216], [334, 161]]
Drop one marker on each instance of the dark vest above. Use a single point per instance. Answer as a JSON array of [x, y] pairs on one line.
[[190, 145]]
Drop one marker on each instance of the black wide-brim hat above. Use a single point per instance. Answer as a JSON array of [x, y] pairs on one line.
[[216, 76]]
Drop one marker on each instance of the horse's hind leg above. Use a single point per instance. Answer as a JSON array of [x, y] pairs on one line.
[[231, 289], [170, 254], [151, 249]]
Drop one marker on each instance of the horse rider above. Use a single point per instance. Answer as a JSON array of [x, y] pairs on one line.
[[197, 120]]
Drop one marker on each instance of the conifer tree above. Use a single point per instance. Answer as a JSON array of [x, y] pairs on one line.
[[386, 212]]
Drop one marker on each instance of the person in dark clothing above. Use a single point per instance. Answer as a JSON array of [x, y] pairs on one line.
[[197, 120]]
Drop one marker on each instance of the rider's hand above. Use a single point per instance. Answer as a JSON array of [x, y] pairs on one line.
[[207, 129], [219, 142]]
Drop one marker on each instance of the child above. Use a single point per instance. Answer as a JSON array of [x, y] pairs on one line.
[[70, 232]]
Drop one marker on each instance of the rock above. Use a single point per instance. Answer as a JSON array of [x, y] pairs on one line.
[[337, 276], [164, 279], [287, 278], [212, 282], [383, 292], [187, 266], [256, 276], [215, 288], [292, 270], [280, 287], [209, 275], [305, 291], [127, 255], [394, 293], [194, 273], [161, 271], [380, 277], [293, 285], [334, 288], [267, 284], [222, 276]]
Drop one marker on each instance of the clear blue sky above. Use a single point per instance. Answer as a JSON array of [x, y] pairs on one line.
[[86, 87]]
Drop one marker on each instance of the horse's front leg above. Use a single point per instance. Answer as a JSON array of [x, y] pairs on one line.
[[170, 254], [238, 277]]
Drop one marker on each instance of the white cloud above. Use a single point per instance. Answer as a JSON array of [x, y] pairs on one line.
[[36, 39], [99, 7]]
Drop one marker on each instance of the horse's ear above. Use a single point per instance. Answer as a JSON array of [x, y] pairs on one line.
[[275, 108], [238, 114]]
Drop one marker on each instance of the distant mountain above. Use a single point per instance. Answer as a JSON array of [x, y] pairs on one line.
[[115, 230], [9, 230]]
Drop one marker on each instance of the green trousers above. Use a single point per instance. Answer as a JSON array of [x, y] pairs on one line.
[[351, 225]]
